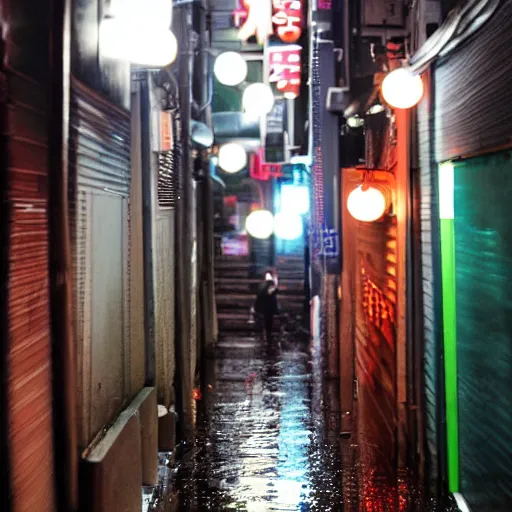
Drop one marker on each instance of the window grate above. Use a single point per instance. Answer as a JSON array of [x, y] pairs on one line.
[[167, 189]]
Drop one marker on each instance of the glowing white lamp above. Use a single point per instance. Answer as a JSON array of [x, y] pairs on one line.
[[142, 46], [232, 157], [366, 203], [402, 89], [295, 199], [138, 32], [230, 68], [288, 226], [258, 99], [154, 13], [260, 224]]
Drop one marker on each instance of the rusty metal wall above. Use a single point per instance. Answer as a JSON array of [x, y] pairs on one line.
[[24, 79], [99, 199]]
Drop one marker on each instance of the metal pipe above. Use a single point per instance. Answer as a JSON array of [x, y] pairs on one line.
[[60, 265], [184, 395]]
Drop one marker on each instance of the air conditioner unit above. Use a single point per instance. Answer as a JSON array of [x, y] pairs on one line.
[[335, 102]]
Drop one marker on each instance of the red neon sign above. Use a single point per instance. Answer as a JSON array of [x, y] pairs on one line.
[[288, 19], [262, 171], [285, 69]]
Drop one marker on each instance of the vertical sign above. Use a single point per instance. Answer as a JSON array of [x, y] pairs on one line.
[[288, 19], [274, 139], [285, 69], [165, 131]]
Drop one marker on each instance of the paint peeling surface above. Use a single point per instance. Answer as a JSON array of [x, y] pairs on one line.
[[268, 440]]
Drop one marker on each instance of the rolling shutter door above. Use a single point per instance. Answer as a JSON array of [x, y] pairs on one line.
[[100, 179], [473, 95], [28, 385]]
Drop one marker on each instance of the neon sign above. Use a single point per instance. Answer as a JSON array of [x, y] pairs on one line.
[[259, 17], [254, 18], [285, 69], [288, 19]]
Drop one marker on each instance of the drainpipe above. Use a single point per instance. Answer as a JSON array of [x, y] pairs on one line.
[[60, 266], [183, 30], [205, 113]]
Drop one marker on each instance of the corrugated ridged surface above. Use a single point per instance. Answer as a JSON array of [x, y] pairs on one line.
[[103, 153], [473, 93], [29, 363], [375, 348], [483, 251], [25, 55], [428, 197], [100, 179]]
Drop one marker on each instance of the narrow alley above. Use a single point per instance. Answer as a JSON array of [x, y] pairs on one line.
[[256, 255], [267, 439]]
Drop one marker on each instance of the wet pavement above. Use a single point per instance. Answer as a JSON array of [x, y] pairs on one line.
[[267, 439]]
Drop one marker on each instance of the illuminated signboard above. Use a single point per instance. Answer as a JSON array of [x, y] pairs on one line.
[[261, 19], [288, 18], [285, 69], [254, 18]]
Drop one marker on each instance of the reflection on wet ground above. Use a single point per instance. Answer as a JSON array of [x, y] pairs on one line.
[[268, 440]]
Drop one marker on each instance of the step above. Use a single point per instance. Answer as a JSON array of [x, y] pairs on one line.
[[236, 299], [244, 274], [241, 325], [221, 287], [232, 259], [283, 283]]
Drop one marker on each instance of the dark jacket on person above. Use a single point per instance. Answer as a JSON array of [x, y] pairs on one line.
[[266, 300]]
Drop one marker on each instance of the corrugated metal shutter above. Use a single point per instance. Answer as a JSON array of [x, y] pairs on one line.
[[483, 252], [429, 248], [100, 180], [28, 387], [102, 142], [473, 94]]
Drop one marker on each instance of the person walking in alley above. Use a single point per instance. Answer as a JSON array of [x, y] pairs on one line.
[[266, 306]]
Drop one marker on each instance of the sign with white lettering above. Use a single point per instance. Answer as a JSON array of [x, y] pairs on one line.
[[383, 13]]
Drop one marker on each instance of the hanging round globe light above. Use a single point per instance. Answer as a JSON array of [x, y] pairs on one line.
[[232, 157], [402, 89], [288, 226], [260, 224], [230, 68], [366, 203], [258, 99], [138, 32], [155, 13]]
